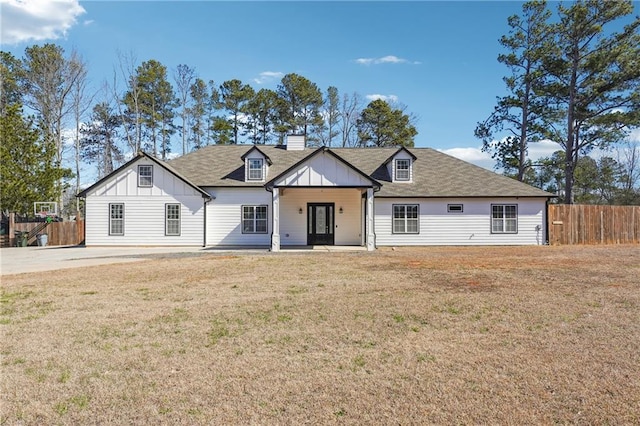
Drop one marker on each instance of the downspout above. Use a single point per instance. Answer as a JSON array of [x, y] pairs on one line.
[[270, 190], [204, 238], [374, 218], [546, 219]]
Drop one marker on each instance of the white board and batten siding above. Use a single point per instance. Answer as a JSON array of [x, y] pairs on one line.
[[323, 170], [144, 209], [472, 226], [224, 216]]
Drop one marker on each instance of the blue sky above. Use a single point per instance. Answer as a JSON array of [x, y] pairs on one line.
[[437, 58]]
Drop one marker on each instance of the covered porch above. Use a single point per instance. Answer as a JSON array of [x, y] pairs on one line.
[[322, 217], [322, 201]]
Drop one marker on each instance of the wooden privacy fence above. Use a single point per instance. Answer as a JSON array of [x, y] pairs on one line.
[[593, 224], [58, 233]]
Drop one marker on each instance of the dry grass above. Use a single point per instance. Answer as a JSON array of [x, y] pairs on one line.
[[428, 335]]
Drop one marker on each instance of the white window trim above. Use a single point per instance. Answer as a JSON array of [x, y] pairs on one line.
[[249, 169], [140, 177], [167, 220], [405, 219], [503, 220], [113, 220], [408, 170], [254, 219]]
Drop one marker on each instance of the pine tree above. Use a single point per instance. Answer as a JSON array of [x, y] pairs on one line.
[[261, 112], [28, 172], [300, 105], [380, 125], [156, 103], [592, 75], [99, 142], [234, 97], [521, 113]]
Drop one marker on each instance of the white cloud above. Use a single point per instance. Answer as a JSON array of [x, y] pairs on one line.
[[473, 155], [634, 135], [68, 136], [36, 20], [543, 148], [386, 98], [267, 76], [389, 59]]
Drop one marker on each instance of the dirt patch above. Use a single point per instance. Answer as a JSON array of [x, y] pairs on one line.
[[408, 336]]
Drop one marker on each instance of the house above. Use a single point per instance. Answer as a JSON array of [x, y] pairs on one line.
[[292, 195]]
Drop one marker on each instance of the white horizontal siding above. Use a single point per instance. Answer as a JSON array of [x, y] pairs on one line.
[[293, 225], [472, 227], [144, 221], [224, 216]]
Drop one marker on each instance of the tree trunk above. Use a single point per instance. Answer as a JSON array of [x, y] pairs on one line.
[[523, 135], [184, 132], [77, 158], [572, 142]]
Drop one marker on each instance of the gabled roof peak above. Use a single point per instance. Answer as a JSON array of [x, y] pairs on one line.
[[401, 148], [255, 148], [321, 150]]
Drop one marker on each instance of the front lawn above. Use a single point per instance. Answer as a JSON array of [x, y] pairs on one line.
[[408, 336]]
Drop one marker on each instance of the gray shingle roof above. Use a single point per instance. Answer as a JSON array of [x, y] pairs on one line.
[[434, 174]]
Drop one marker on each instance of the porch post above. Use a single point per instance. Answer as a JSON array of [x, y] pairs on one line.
[[371, 237], [275, 232]]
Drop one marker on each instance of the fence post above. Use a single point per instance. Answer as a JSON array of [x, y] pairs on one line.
[[601, 227], [633, 225], [12, 227], [79, 228]]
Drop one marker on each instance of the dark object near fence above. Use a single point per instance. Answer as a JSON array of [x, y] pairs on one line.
[[22, 238], [42, 239], [56, 232]]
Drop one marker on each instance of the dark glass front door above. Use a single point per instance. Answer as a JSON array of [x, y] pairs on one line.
[[320, 224]]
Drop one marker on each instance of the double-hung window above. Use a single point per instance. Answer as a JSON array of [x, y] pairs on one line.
[[405, 219], [504, 218], [145, 175], [116, 219], [172, 219], [403, 171], [255, 168], [254, 219]]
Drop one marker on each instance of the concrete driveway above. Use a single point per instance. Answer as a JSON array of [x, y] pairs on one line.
[[17, 260]]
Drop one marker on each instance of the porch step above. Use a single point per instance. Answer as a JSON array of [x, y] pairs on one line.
[[323, 248]]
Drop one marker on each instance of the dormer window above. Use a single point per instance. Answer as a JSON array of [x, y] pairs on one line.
[[403, 169], [255, 169]]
